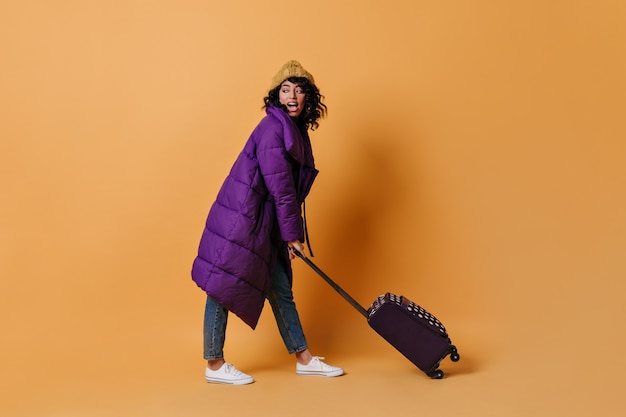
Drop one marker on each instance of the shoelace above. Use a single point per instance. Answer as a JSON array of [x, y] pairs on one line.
[[230, 369], [318, 361]]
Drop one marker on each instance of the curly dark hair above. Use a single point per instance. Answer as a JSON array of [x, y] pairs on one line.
[[314, 109]]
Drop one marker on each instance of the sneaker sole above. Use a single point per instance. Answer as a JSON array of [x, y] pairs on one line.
[[230, 381], [338, 372]]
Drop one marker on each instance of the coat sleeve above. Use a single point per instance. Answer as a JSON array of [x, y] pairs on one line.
[[276, 167]]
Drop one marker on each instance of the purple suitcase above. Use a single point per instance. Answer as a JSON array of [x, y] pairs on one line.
[[412, 330]]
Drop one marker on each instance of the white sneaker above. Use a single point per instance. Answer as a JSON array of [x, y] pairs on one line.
[[227, 374], [317, 367]]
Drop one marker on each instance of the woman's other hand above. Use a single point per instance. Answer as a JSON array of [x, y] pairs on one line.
[[297, 245]]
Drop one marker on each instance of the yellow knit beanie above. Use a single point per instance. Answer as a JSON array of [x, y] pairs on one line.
[[290, 69]]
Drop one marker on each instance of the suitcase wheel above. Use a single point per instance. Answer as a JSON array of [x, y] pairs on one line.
[[454, 355], [438, 374]]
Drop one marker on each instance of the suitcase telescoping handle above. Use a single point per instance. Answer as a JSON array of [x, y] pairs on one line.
[[333, 284]]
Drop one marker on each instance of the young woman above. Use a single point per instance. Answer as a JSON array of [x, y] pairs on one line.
[[245, 252]]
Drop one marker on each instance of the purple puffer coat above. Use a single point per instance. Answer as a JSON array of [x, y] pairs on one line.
[[256, 211]]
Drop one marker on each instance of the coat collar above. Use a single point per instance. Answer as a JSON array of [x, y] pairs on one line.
[[294, 140]]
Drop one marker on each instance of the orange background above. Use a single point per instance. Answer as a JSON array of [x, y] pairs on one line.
[[472, 160]]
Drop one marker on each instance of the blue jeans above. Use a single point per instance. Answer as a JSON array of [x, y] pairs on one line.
[[280, 297]]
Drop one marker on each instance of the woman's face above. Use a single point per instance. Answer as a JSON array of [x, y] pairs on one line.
[[292, 96]]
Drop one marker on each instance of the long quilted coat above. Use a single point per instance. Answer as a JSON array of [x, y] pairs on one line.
[[257, 210]]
